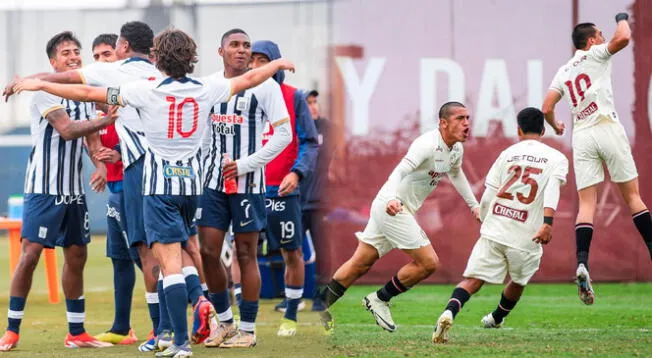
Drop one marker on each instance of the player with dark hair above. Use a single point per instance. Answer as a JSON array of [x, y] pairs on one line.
[[517, 209], [393, 225], [55, 211], [598, 137], [104, 48]]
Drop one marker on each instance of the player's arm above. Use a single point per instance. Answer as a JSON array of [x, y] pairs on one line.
[[550, 201], [257, 76], [75, 92], [308, 146], [67, 77], [461, 184], [417, 154], [98, 178], [623, 34], [69, 129]]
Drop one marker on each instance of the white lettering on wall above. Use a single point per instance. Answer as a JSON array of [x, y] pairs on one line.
[[429, 101], [495, 100]]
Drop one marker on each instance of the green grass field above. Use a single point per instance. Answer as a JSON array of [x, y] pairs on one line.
[[549, 321]]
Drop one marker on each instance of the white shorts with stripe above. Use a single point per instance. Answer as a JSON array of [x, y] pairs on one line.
[[491, 261]]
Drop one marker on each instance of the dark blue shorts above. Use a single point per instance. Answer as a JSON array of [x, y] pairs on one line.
[[245, 211], [284, 223], [133, 195], [169, 218], [117, 244], [55, 220]]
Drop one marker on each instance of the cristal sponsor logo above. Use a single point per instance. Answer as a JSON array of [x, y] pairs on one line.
[[69, 199], [112, 212], [176, 171], [275, 205], [227, 118], [518, 215], [589, 110]]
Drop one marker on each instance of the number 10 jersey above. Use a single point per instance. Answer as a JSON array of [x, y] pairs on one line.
[[520, 175]]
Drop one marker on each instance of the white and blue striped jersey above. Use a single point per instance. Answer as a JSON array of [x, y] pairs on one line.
[[55, 164], [237, 128], [129, 127], [175, 113]]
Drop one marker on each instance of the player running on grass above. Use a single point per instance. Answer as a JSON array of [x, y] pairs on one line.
[[517, 208], [392, 224]]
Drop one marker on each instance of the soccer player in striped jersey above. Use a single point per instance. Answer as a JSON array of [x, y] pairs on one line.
[[236, 129], [175, 112], [55, 212], [282, 177], [117, 245]]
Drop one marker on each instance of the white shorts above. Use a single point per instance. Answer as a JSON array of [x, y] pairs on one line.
[[604, 142], [385, 232], [490, 261]]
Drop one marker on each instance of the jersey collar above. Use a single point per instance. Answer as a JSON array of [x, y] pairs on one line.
[[136, 59]]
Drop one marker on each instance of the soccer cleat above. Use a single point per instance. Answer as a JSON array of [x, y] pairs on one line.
[[240, 340], [114, 338], [584, 288], [489, 321], [203, 314], [444, 324], [327, 321], [164, 340], [223, 332], [380, 310], [175, 351], [288, 328], [283, 305], [9, 341], [150, 344], [84, 340]]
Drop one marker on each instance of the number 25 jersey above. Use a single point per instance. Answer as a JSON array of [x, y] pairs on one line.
[[586, 82], [520, 175]]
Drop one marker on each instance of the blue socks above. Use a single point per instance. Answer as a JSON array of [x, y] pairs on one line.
[[76, 315], [164, 321], [124, 279], [15, 313], [293, 295], [222, 306], [176, 299], [193, 284], [248, 313]]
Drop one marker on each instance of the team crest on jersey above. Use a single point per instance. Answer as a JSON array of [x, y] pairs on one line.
[[224, 129], [171, 171], [242, 104]]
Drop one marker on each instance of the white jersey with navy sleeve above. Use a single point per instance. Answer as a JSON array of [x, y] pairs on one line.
[[55, 164], [520, 175], [175, 113], [586, 80], [129, 127], [237, 128]]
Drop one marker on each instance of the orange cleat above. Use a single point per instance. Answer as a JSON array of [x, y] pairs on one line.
[[9, 341], [84, 340]]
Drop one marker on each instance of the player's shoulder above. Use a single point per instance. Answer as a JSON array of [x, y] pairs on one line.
[[268, 88], [41, 98]]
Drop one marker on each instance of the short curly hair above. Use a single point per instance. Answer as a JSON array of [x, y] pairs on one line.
[[139, 35], [174, 52]]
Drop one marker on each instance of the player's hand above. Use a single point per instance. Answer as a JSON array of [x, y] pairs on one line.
[[394, 207], [98, 179], [284, 64], [559, 128], [9, 88], [28, 84], [230, 170], [289, 183], [107, 155], [476, 213], [621, 16], [544, 235]]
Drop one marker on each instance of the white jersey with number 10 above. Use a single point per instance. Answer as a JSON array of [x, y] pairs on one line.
[[520, 175], [175, 113]]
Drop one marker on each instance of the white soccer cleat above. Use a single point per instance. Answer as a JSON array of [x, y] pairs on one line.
[[584, 288], [489, 321], [444, 324], [380, 310]]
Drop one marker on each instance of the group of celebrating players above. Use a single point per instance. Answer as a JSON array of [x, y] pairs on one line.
[[229, 150], [185, 159]]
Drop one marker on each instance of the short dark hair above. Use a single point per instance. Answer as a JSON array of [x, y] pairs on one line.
[[139, 35], [445, 109], [175, 52], [581, 34], [231, 32], [530, 120], [66, 36], [106, 39], [313, 93]]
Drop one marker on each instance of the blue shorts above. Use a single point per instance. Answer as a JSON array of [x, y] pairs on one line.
[[169, 218], [218, 210], [133, 194], [117, 244], [284, 223], [55, 220]]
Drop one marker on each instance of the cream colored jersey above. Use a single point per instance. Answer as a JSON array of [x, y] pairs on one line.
[[430, 159], [520, 175], [586, 82]]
